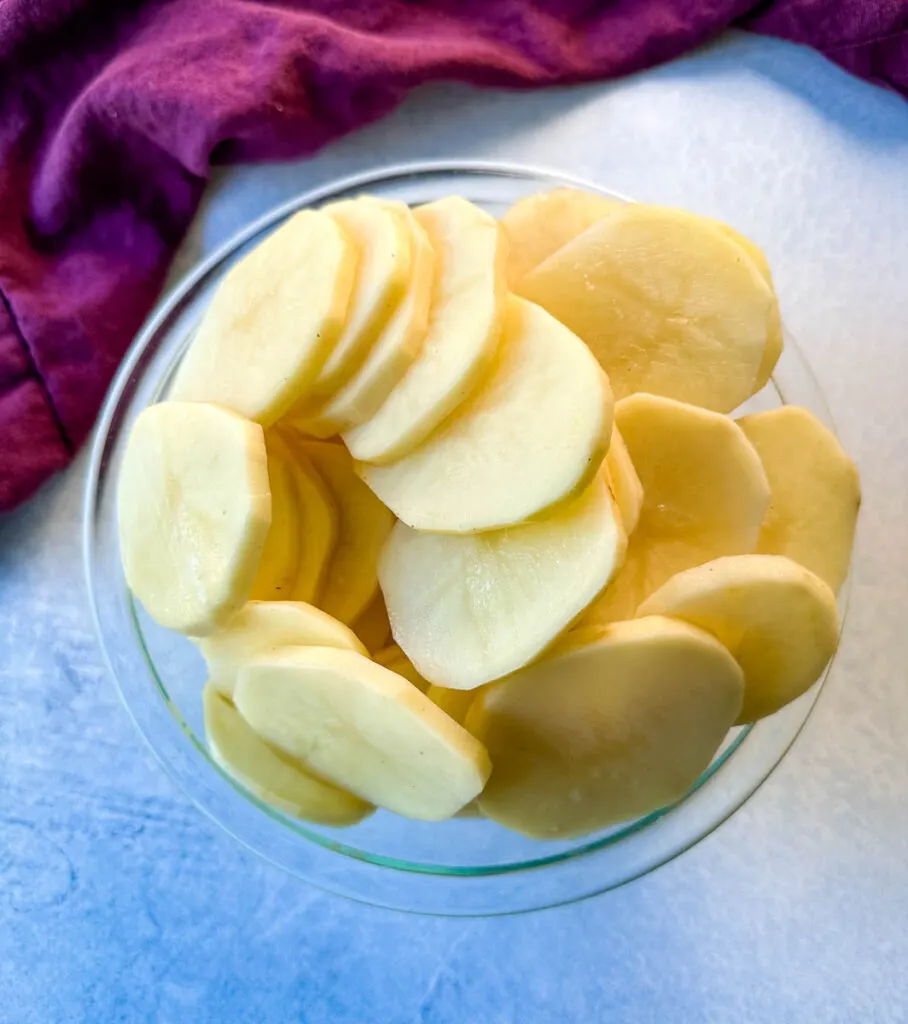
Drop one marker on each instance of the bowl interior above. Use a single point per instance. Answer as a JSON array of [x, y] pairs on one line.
[[464, 866]]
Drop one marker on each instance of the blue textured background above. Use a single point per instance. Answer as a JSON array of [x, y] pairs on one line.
[[119, 902]]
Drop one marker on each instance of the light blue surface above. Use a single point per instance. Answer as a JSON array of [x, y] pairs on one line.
[[119, 902]]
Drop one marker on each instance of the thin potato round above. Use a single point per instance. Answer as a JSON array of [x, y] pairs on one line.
[[279, 565], [624, 482]]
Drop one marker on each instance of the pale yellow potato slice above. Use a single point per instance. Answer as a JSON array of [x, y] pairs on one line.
[[391, 355], [279, 564], [455, 703], [705, 494], [271, 775], [465, 322], [607, 731], [273, 321], [381, 232], [815, 491], [469, 608], [193, 511], [540, 224], [365, 728], [393, 657], [530, 438], [624, 482], [777, 618], [261, 626], [372, 625], [364, 523], [666, 302]]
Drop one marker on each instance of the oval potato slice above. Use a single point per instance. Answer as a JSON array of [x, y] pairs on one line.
[[469, 608], [666, 303], [364, 523], [279, 565], [365, 728], [193, 511], [777, 618], [815, 491], [261, 626], [624, 482], [271, 775], [465, 321], [605, 732], [318, 522], [273, 321], [530, 438]]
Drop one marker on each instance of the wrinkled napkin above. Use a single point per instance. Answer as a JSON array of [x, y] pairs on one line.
[[112, 113]]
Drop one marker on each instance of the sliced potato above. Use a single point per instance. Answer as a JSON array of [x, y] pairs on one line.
[[193, 510], [382, 235], [533, 436], [816, 491], [605, 732], [705, 494], [540, 224], [279, 565], [273, 321], [465, 321], [455, 703], [666, 303], [467, 609], [372, 626], [271, 775], [777, 618], [389, 358], [393, 657], [624, 482], [319, 524], [261, 626], [364, 524], [365, 728]]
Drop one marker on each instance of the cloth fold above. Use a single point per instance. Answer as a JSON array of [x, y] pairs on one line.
[[113, 112]]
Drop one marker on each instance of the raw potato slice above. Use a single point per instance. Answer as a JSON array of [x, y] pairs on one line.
[[666, 303], [373, 627], [777, 618], [533, 436], [279, 564], [541, 224], [605, 732], [390, 356], [394, 658], [261, 626], [467, 609], [815, 491], [273, 320], [364, 524], [193, 509], [365, 728], [465, 321], [704, 490], [624, 482], [381, 233], [455, 703], [318, 523], [271, 775]]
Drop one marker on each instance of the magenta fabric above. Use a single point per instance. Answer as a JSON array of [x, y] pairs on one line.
[[112, 113]]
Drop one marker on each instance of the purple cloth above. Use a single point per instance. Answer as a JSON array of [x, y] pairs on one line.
[[112, 113]]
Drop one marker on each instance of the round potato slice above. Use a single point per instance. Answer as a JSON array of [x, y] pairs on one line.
[[468, 609], [279, 565], [261, 626], [705, 494], [815, 491], [624, 482], [540, 224], [193, 510], [372, 626], [273, 321], [531, 437], [465, 321], [605, 732], [777, 618], [382, 235], [667, 303], [365, 728], [271, 775], [390, 357], [364, 524]]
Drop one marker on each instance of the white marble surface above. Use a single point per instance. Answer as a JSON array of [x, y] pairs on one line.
[[118, 902]]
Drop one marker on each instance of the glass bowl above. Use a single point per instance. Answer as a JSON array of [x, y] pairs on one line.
[[460, 867]]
